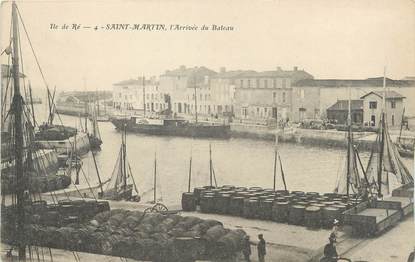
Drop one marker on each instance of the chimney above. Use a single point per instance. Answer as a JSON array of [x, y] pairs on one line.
[[279, 68], [295, 68], [222, 69]]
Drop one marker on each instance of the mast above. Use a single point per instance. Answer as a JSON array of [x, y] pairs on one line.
[[349, 143], [402, 120], [76, 159], [275, 152], [194, 85], [99, 177], [275, 170], [18, 137], [155, 178], [210, 165], [382, 135], [190, 171], [144, 96], [124, 151], [33, 109]]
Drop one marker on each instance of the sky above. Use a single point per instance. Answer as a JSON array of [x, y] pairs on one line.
[[327, 38]]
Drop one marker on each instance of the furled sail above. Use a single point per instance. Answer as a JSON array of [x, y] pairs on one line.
[[116, 177], [386, 153], [350, 175]]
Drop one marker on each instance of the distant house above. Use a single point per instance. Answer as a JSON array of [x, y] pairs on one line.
[[372, 108], [265, 96], [340, 110]]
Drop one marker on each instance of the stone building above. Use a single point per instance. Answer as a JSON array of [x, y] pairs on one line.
[[263, 96], [372, 108], [183, 85], [130, 94], [339, 112]]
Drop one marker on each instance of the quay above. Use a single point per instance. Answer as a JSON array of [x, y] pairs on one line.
[[296, 243]]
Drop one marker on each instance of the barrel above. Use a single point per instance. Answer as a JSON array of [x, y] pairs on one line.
[[298, 193], [302, 203], [313, 194], [296, 215], [206, 204], [328, 216], [251, 208], [197, 192], [265, 209], [280, 211], [282, 192], [331, 195], [289, 198], [280, 199], [188, 201], [230, 243], [236, 206], [255, 188], [228, 186], [223, 203], [312, 217], [241, 188], [186, 249]]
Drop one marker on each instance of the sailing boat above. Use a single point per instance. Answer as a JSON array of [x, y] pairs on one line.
[[121, 185], [404, 149], [95, 140], [350, 182], [384, 159]]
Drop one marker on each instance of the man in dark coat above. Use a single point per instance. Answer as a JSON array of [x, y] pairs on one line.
[[246, 249], [261, 248], [330, 252]]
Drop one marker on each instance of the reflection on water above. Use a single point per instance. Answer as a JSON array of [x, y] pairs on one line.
[[239, 162]]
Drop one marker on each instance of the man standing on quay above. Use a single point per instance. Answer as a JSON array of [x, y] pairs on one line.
[[261, 248]]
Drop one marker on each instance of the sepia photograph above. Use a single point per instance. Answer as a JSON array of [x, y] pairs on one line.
[[216, 131]]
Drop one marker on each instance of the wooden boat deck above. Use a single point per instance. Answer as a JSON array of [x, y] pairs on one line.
[[379, 214]]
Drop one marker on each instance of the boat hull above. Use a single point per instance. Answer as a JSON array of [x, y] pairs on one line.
[[188, 130]]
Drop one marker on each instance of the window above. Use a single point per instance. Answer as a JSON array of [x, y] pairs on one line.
[[242, 83], [257, 83], [283, 82], [257, 110], [393, 120], [302, 93], [373, 104], [274, 97], [393, 105], [265, 83], [283, 97], [249, 83], [274, 83]]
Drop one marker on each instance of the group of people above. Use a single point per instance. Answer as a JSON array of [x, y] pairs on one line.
[[261, 248], [330, 251]]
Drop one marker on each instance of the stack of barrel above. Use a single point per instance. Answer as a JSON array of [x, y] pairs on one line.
[[309, 209]]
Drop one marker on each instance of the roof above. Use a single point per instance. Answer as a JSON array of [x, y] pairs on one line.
[[368, 82], [341, 105], [233, 74], [278, 73], [389, 94], [188, 71]]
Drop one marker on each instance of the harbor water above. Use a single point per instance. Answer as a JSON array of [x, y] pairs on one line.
[[241, 162]]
